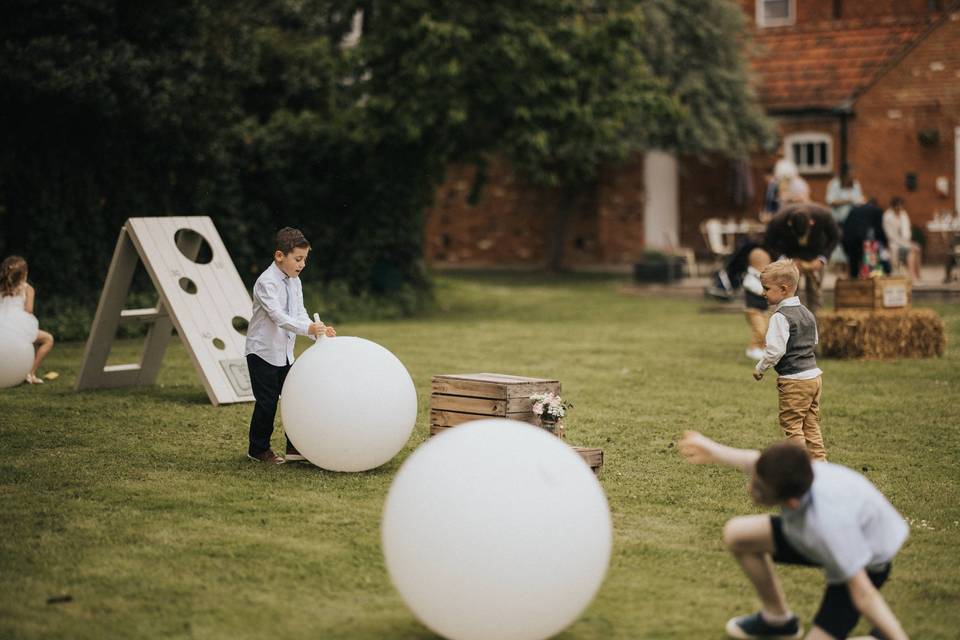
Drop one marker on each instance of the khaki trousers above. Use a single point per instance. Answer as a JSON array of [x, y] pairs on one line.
[[758, 328], [800, 414]]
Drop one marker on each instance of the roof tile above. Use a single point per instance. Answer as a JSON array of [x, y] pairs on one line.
[[820, 65]]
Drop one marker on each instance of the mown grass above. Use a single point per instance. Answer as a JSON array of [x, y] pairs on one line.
[[140, 505]]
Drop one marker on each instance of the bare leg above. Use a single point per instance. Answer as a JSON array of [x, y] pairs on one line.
[[913, 262], [750, 540], [44, 343]]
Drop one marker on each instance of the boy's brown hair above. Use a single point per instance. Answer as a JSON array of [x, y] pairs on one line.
[[782, 271], [785, 470], [13, 273], [289, 239]]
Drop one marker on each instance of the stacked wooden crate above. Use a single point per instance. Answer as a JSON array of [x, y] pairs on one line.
[[459, 398], [887, 293]]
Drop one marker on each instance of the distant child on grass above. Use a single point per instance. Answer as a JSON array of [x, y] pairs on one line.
[[278, 317], [791, 338], [831, 517], [16, 312]]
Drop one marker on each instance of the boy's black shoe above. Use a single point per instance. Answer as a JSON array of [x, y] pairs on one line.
[[746, 627], [267, 457], [292, 455]]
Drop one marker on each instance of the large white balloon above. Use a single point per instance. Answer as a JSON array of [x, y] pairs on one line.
[[496, 530], [348, 404], [16, 358]]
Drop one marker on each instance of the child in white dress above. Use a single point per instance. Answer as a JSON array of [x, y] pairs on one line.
[[16, 311]]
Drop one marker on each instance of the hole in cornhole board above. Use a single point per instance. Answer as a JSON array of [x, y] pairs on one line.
[[188, 285], [193, 246], [219, 344], [240, 324]]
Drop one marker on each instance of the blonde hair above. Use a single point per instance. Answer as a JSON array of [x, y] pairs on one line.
[[13, 273], [783, 271]]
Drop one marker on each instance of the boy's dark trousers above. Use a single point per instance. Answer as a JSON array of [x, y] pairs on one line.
[[267, 382]]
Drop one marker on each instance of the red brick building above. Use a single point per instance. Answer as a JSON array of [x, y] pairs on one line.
[[875, 83]]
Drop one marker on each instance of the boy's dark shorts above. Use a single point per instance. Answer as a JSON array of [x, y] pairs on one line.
[[837, 615]]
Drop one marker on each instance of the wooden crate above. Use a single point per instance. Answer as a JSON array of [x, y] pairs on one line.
[[462, 397], [593, 456], [873, 293]]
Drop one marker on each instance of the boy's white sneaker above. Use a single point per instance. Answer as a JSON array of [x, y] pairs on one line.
[[755, 353]]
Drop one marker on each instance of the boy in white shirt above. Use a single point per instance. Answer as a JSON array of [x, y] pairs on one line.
[[791, 338], [831, 517], [278, 317]]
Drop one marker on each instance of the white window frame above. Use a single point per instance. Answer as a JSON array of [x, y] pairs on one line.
[[810, 137], [762, 20]]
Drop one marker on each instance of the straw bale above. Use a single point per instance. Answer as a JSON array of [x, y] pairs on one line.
[[852, 333]]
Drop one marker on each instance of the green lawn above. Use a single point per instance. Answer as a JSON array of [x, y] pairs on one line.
[[141, 506]]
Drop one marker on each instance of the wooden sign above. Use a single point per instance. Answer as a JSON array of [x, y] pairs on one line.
[[201, 295]]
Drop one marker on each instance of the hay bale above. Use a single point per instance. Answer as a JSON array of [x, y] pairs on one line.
[[913, 333]]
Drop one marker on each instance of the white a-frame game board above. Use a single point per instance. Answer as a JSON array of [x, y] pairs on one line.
[[205, 301]]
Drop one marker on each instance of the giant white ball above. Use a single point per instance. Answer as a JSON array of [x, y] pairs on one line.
[[496, 530], [348, 404], [16, 358]]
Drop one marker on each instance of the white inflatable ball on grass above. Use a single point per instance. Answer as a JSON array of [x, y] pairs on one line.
[[16, 358], [496, 530], [348, 404]]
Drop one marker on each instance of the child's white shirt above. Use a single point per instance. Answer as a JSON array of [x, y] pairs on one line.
[[278, 316]]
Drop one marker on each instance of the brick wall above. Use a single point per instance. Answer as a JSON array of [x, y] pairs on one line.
[[508, 223], [620, 205], [809, 11], [920, 94], [511, 222]]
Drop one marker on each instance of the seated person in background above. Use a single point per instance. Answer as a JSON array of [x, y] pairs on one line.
[[807, 234], [864, 222], [792, 188], [903, 250], [843, 192]]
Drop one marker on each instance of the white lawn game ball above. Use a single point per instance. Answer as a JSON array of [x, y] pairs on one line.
[[496, 530]]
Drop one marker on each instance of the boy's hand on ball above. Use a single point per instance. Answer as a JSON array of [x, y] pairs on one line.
[[316, 328], [757, 375], [330, 332]]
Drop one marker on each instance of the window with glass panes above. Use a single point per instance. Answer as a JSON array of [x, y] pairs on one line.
[[776, 13], [811, 152]]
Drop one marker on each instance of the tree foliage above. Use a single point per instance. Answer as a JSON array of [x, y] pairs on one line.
[[698, 50], [257, 114]]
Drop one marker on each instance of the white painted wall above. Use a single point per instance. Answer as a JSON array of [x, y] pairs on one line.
[[661, 212]]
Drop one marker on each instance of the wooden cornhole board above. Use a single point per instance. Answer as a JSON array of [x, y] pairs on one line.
[[463, 397], [204, 302]]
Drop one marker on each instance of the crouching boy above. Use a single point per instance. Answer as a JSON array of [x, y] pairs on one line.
[[831, 517]]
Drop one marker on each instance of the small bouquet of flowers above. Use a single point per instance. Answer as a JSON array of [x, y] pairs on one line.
[[549, 407]]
